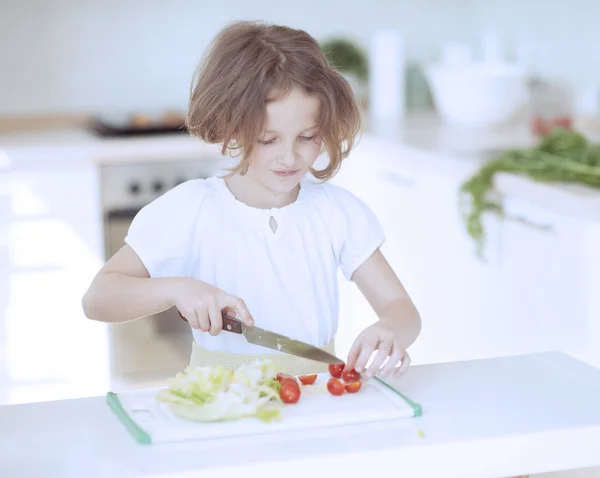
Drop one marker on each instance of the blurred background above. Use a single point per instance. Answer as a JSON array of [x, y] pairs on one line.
[[92, 100]]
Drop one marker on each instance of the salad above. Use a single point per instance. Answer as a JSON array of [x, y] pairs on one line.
[[216, 393], [257, 389]]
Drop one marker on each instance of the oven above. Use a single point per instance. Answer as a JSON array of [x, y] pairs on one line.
[[154, 348]]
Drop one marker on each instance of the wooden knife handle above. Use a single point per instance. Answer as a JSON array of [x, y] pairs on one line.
[[230, 324]]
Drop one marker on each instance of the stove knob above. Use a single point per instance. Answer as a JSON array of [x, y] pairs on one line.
[[158, 186], [134, 188]]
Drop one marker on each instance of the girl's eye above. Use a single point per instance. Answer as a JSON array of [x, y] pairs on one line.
[[308, 138], [267, 141]]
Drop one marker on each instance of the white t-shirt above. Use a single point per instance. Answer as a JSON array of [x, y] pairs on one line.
[[287, 278]]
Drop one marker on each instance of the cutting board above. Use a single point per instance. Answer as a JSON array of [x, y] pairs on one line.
[[152, 422]]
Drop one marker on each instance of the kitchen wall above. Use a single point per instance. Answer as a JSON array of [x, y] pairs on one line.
[[559, 38], [122, 55]]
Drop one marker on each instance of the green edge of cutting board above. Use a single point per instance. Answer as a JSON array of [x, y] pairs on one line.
[[417, 408], [136, 431], [144, 438]]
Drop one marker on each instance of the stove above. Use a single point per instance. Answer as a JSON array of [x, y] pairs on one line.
[[130, 186]]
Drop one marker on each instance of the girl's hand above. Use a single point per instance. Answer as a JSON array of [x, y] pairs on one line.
[[202, 305], [384, 338]]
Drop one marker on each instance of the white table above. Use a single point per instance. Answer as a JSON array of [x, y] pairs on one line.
[[494, 417]]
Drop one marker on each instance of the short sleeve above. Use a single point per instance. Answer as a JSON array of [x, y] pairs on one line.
[[162, 232], [360, 231]]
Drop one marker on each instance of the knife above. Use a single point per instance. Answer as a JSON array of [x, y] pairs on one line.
[[271, 340]]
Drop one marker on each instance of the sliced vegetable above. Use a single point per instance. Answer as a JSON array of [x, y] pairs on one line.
[[266, 414], [307, 379], [353, 387], [290, 393], [290, 381], [335, 387], [350, 375], [281, 376], [335, 370], [216, 393]]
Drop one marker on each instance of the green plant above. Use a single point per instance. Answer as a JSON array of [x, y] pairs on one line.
[[346, 56], [562, 156]]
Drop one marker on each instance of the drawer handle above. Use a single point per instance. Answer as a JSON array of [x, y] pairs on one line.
[[532, 225], [400, 180]]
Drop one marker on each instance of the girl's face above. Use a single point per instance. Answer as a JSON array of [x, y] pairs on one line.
[[290, 144]]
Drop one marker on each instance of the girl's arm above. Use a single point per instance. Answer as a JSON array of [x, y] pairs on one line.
[[385, 293], [123, 290], [399, 322]]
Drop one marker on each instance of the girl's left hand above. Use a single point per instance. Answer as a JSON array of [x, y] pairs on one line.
[[383, 338]]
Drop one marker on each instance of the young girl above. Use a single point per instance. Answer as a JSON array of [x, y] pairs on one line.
[[264, 242]]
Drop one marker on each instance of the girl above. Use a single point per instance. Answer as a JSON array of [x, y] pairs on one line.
[[265, 241]]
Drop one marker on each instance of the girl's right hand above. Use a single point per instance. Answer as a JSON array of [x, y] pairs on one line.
[[202, 305]]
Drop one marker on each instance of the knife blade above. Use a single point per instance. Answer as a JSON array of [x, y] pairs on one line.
[[281, 343]]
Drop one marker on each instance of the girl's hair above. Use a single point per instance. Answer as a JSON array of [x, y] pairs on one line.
[[252, 63]]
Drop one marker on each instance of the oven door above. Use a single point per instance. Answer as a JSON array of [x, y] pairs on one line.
[[151, 349]]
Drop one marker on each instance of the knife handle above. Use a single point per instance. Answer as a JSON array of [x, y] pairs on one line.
[[230, 324]]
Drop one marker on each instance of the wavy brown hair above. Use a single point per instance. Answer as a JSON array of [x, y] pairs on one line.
[[250, 64]]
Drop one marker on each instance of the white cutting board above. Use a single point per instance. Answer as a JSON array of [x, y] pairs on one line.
[[150, 421]]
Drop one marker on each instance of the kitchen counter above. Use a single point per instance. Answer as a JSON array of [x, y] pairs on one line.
[[482, 418], [422, 143]]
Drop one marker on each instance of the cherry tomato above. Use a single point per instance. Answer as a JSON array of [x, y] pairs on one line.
[[335, 387], [336, 370], [285, 378], [289, 393], [563, 122], [290, 381], [281, 376], [307, 379], [353, 387], [350, 375]]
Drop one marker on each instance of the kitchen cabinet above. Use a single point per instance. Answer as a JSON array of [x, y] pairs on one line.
[[50, 251], [429, 250], [541, 285], [433, 255], [533, 290]]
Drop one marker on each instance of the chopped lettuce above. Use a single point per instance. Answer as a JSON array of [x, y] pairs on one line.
[[216, 394]]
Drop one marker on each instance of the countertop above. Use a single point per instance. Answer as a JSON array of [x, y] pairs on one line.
[[493, 417]]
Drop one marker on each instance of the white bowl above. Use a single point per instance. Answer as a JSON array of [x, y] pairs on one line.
[[481, 94]]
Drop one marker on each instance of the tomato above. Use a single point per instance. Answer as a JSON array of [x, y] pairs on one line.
[[335, 387], [290, 381], [350, 375], [290, 392], [353, 387], [336, 370], [285, 378], [563, 122], [281, 376], [307, 379]]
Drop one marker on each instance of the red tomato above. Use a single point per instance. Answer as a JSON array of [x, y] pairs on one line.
[[290, 392], [307, 379], [336, 370], [563, 122], [353, 387], [281, 376], [335, 387], [291, 381], [350, 375], [285, 378]]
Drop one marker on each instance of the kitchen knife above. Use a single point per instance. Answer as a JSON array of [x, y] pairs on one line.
[[271, 340]]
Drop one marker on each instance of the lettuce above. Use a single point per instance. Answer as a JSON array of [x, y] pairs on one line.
[[211, 394]]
